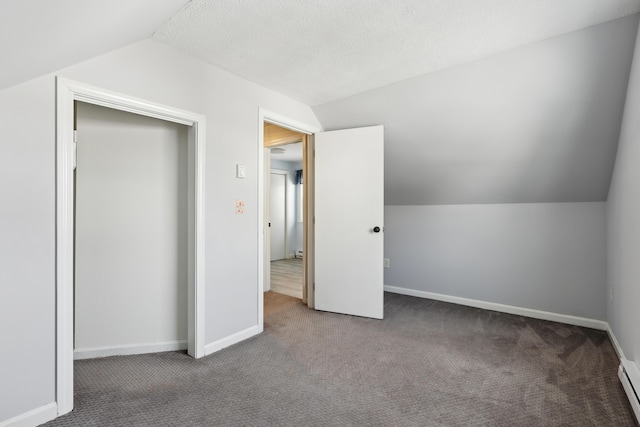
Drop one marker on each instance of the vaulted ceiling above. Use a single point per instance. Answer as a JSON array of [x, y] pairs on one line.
[[483, 101], [41, 36], [321, 51]]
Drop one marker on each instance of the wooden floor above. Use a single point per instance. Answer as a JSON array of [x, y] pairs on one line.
[[286, 277]]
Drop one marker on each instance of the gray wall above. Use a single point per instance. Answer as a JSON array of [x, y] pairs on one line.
[[535, 124], [147, 70], [543, 256], [623, 231], [131, 230], [480, 160]]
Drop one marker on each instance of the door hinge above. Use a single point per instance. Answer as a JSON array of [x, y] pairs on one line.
[[314, 286], [75, 149]]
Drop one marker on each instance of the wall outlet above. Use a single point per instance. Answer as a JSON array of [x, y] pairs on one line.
[[239, 207], [610, 293], [387, 263]]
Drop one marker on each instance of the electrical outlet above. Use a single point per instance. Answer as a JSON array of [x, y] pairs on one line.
[[610, 293], [239, 207], [387, 263]]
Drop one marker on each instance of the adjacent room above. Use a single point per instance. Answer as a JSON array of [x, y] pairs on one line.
[[407, 212]]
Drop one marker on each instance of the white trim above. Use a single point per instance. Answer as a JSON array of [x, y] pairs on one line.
[[616, 344], [67, 92], [35, 417], [125, 350], [285, 122], [627, 384], [520, 311], [231, 340]]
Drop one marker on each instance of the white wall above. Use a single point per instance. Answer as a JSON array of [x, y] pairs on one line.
[[294, 231], [623, 230], [536, 124], [27, 251], [151, 71], [548, 257], [131, 230]]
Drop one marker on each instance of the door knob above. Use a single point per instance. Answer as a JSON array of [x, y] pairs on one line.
[[376, 229]]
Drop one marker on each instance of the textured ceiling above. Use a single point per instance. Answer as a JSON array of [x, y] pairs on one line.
[[40, 36], [321, 51]]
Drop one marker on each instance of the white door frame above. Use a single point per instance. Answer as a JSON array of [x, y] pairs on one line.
[[266, 116], [67, 92]]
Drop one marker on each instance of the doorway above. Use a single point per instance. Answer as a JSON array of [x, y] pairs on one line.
[[130, 278], [284, 210], [67, 93]]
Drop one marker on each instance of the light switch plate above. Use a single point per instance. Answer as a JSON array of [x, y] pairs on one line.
[[241, 171]]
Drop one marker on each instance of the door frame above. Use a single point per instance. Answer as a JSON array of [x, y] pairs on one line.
[[266, 116], [67, 92]]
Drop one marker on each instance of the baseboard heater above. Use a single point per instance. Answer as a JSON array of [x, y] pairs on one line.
[[632, 392]]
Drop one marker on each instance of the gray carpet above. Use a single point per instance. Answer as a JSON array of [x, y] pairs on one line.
[[427, 364]]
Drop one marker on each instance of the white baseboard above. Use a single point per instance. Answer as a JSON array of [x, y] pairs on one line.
[[520, 311], [626, 372], [232, 339], [125, 350], [34, 417], [615, 343]]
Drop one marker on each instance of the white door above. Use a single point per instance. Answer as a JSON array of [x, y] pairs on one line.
[[349, 214], [277, 216]]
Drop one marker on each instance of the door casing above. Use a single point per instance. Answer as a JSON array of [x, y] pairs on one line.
[[263, 165], [67, 92]]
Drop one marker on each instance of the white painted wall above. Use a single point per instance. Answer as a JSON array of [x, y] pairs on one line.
[[151, 71], [294, 229], [623, 231], [536, 124], [27, 250], [548, 257], [131, 230]]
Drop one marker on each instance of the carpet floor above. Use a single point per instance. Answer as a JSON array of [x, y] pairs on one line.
[[427, 363]]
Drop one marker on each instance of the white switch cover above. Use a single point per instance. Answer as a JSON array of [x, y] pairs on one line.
[[241, 171], [239, 207]]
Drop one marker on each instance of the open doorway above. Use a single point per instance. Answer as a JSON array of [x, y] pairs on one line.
[[284, 210], [131, 233], [67, 93]]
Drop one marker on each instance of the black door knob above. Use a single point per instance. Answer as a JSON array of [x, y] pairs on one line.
[[376, 229]]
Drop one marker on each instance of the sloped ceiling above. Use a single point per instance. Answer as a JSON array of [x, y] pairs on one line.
[[321, 51], [40, 36], [484, 101], [536, 124]]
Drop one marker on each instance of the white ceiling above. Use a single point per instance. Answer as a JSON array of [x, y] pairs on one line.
[[292, 153], [321, 51], [41, 36]]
